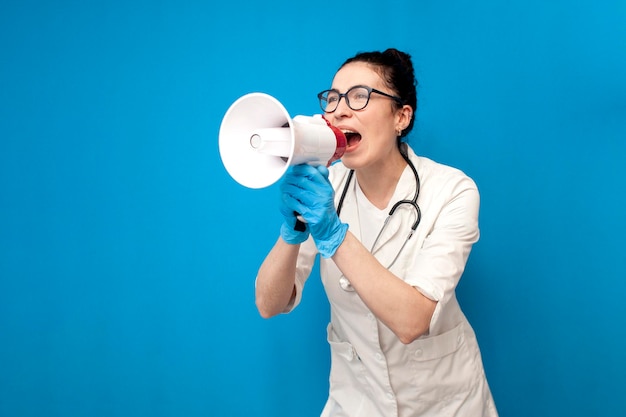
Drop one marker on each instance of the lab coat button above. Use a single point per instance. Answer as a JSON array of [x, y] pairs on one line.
[[390, 395], [419, 353], [379, 357], [370, 316]]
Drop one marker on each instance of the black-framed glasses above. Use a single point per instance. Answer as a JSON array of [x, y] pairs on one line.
[[356, 97]]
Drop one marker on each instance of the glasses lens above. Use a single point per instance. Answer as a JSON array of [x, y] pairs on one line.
[[358, 97], [329, 100]]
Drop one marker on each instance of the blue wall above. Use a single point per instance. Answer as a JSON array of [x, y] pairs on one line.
[[128, 255]]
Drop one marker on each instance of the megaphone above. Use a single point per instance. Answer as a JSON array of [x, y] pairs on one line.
[[258, 140]]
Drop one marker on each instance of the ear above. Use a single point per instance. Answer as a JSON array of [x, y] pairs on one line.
[[405, 114]]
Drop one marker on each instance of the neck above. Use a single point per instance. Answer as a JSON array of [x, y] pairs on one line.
[[378, 182]]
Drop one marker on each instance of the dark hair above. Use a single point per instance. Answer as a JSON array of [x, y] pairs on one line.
[[396, 68]]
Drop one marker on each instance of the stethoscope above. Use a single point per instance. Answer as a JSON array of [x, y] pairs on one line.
[[343, 281]]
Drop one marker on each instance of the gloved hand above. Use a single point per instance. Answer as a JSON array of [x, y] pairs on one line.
[[307, 191], [288, 230]]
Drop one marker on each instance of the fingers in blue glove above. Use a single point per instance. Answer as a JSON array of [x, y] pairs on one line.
[[306, 190], [288, 230]]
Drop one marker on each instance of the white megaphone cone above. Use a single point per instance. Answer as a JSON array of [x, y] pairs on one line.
[[258, 141]]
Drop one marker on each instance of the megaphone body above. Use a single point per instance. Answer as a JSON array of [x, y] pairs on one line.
[[258, 140]]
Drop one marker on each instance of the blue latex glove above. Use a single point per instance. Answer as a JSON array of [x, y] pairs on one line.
[[306, 190], [288, 230]]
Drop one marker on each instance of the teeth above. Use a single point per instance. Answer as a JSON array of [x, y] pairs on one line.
[[347, 131]]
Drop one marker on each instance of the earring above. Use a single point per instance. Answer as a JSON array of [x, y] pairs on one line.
[[398, 132]]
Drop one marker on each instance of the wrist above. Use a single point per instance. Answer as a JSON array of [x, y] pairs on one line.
[[327, 247]]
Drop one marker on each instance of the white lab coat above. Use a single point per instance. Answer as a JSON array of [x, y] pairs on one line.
[[372, 372]]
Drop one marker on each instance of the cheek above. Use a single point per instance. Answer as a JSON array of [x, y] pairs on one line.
[[383, 130]]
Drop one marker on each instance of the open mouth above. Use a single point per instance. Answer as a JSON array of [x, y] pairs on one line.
[[352, 137]]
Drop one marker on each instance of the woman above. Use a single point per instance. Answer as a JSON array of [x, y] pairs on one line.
[[400, 344]]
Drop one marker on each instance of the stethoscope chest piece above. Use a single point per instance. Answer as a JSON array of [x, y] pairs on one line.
[[345, 284]]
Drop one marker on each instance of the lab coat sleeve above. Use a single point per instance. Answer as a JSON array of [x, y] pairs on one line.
[[440, 262], [306, 259]]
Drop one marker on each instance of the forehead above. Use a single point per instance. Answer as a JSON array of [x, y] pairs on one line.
[[357, 73]]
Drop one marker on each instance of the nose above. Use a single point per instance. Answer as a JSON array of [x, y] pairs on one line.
[[342, 109]]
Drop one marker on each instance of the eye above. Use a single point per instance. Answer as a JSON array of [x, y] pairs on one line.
[[359, 94], [330, 96]]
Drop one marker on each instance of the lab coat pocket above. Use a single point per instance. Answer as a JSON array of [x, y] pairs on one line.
[[443, 366], [348, 384]]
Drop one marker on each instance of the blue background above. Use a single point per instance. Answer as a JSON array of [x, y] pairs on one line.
[[128, 255]]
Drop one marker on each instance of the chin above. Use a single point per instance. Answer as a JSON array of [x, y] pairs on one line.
[[350, 161]]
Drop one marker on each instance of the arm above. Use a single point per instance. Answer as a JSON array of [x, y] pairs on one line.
[[438, 265], [405, 310], [275, 284], [276, 288], [401, 307]]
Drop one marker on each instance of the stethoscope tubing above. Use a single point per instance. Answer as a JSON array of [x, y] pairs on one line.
[[343, 281]]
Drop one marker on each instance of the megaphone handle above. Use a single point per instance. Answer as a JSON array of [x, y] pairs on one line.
[[300, 226]]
